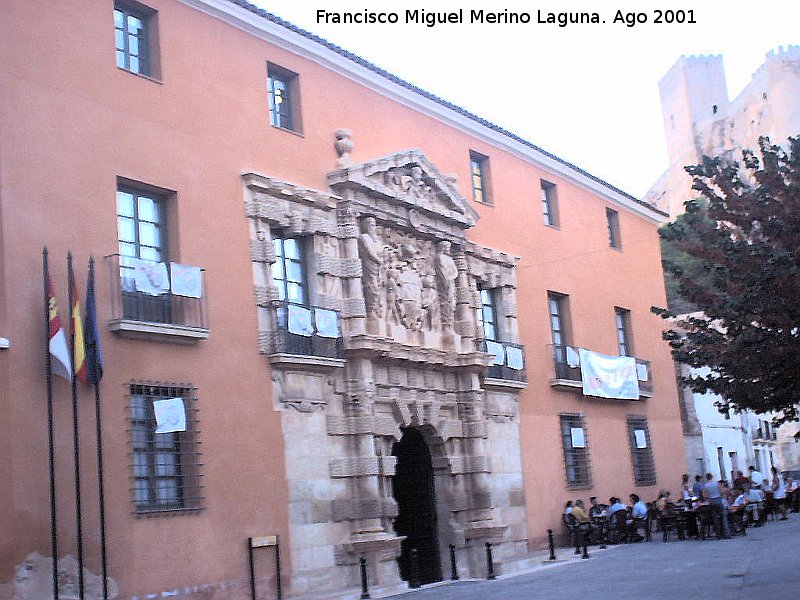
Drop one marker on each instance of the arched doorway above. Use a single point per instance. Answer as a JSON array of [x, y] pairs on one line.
[[413, 489]]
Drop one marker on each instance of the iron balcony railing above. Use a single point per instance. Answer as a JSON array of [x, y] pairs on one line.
[[510, 360], [316, 333], [567, 368], [144, 291]]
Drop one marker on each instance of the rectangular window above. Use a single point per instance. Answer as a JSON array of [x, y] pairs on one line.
[[479, 174], [612, 220], [644, 470], [135, 33], [549, 203], [487, 315], [284, 98], [558, 306], [164, 448], [576, 453], [288, 270], [141, 224], [622, 318]]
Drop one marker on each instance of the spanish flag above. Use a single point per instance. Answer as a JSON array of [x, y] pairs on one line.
[[79, 356], [61, 365]]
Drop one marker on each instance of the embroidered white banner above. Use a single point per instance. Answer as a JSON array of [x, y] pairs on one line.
[[186, 281], [609, 376], [300, 321], [170, 415], [327, 322], [150, 277]]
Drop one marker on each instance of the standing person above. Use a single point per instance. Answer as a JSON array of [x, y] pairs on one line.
[[756, 478], [779, 492], [738, 483], [712, 493], [568, 507], [697, 487], [686, 491]]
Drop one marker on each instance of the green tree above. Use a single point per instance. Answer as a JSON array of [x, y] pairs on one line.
[[734, 257]]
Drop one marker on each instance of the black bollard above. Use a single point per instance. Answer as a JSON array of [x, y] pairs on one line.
[[453, 567], [414, 579], [489, 562], [552, 544], [362, 562]]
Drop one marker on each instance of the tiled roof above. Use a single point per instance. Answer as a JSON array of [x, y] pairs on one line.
[[449, 105]]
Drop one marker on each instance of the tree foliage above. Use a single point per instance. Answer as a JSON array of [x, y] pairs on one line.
[[735, 257]]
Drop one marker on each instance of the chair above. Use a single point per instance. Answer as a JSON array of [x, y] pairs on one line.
[[618, 527], [668, 521], [706, 520]]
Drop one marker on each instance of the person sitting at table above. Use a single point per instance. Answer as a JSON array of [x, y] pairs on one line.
[[738, 483], [596, 509], [713, 495], [639, 518], [663, 499], [686, 491], [737, 511], [615, 505]]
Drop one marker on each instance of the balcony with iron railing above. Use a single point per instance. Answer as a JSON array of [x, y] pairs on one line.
[[509, 363], [309, 331], [165, 302], [567, 371]]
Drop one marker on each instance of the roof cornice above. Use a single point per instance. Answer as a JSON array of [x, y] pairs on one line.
[[264, 25]]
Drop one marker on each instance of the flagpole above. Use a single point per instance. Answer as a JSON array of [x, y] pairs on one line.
[[50, 444], [95, 369], [75, 433]]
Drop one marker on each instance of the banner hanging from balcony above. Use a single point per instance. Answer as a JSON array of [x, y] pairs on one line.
[[327, 322], [514, 358], [497, 350], [186, 281], [150, 277], [609, 376], [300, 321]]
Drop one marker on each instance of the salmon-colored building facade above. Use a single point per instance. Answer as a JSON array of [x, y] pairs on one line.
[[391, 297]]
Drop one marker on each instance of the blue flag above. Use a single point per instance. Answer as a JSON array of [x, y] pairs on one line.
[[91, 334]]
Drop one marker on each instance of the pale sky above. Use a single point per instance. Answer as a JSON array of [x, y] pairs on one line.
[[585, 92]]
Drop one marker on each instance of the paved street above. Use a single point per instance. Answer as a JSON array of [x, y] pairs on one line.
[[764, 564]]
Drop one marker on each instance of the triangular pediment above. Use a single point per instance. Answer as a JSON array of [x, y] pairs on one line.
[[410, 179]]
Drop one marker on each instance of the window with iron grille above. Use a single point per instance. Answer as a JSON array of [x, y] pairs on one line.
[[487, 315], [576, 453], [479, 174], [284, 98], [165, 454], [644, 468], [622, 319], [134, 29], [549, 203]]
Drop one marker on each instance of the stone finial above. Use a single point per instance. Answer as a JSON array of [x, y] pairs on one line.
[[344, 146]]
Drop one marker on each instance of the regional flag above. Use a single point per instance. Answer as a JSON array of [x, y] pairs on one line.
[[76, 327], [91, 334], [61, 364]]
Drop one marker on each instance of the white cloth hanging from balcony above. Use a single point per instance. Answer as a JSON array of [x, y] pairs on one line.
[[300, 321], [609, 376], [573, 359], [186, 281], [151, 277], [498, 352], [514, 358], [327, 322]]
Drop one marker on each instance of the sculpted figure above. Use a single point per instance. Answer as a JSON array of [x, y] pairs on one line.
[[371, 251], [430, 302], [446, 273]]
